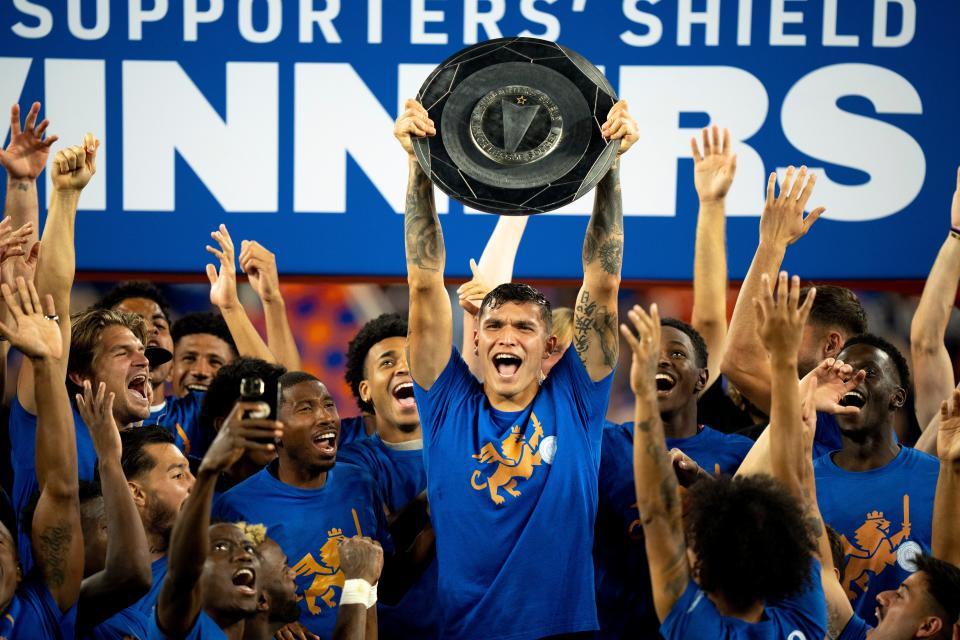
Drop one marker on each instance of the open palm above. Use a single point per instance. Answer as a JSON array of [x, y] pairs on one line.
[[26, 155], [36, 335], [713, 171], [223, 282]]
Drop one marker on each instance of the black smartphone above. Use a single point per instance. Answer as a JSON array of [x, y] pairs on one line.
[[255, 390]]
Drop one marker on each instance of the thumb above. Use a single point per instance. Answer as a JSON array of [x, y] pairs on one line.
[[474, 269], [212, 274], [34, 255], [90, 145]]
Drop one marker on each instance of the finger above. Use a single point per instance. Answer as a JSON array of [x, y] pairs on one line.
[[49, 306], [12, 305], [38, 132], [787, 183], [715, 142], [101, 391], [34, 298], [760, 311], [956, 403], [855, 381], [14, 120], [771, 187], [34, 256], [211, 273], [944, 412], [782, 290], [726, 142], [48, 142], [793, 294], [474, 269], [840, 410], [31, 117], [226, 237], [216, 252], [807, 302], [795, 188], [26, 300], [811, 218], [253, 445], [766, 297], [70, 158], [625, 332], [695, 150], [707, 149], [807, 190]]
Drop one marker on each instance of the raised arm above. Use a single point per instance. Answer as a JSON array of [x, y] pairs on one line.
[[126, 576], [782, 223], [932, 367], [24, 160], [495, 268], [56, 537], [260, 265], [361, 560], [223, 294], [180, 598], [595, 314], [946, 504], [430, 333], [713, 174], [658, 497]]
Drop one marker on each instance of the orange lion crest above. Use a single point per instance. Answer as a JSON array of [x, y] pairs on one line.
[[515, 461], [326, 573], [875, 548]]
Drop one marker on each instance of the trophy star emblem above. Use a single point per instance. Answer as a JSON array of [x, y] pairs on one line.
[[521, 99]]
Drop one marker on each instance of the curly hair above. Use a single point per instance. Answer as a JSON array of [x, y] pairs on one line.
[[134, 289], [203, 322], [903, 369], [751, 541], [224, 390], [699, 345], [387, 325]]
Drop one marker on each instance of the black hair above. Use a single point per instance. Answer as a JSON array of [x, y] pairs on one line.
[[203, 322], [903, 369], [134, 289], [943, 585], [699, 345], [224, 390], [387, 325], [87, 490], [836, 307], [8, 515], [518, 293], [750, 539], [837, 551], [134, 458]]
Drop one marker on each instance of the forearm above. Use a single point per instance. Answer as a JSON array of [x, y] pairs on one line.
[[745, 361], [56, 451], [57, 265], [423, 237], [280, 338], [946, 514], [709, 316], [21, 204], [351, 622], [496, 262], [786, 431], [128, 558], [603, 241], [248, 340]]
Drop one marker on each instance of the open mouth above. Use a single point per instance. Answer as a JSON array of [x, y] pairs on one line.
[[138, 385], [665, 383], [853, 399], [403, 393], [197, 386], [326, 442], [245, 580], [507, 364]]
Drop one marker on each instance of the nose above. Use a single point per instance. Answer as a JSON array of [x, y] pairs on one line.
[[202, 370], [883, 598], [402, 366], [140, 360], [190, 481]]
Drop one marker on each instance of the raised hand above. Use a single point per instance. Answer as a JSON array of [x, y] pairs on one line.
[[26, 155], [473, 292], [948, 437], [955, 205], [35, 333], [97, 413], [12, 240], [782, 222], [713, 171], [239, 434], [644, 341], [832, 379], [260, 265], [295, 631], [621, 126], [414, 121], [361, 558], [74, 166], [223, 283], [781, 317]]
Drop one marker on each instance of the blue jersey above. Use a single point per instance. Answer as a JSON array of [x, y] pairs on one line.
[[513, 499], [33, 613], [885, 516], [352, 430], [309, 524], [134, 621], [181, 417], [801, 617], [204, 628], [827, 437], [856, 629], [401, 477]]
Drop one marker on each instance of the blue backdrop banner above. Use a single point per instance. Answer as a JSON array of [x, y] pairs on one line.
[[275, 118]]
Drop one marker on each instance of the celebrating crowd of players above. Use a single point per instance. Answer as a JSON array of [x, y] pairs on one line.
[[479, 492]]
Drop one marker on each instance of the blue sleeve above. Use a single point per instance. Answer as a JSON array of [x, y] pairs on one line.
[[807, 611], [223, 509], [590, 398], [383, 531], [39, 614], [693, 616], [453, 387], [856, 629]]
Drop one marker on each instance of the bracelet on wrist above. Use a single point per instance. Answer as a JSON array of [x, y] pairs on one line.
[[955, 232]]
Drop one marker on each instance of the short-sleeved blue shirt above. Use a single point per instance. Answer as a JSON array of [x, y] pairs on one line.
[[309, 524], [204, 628], [134, 621], [181, 417], [856, 629], [352, 430], [885, 516], [401, 477], [33, 613], [513, 499], [801, 617]]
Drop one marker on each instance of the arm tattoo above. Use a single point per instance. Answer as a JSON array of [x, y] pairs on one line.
[[54, 546], [23, 186], [421, 227], [604, 239], [594, 321]]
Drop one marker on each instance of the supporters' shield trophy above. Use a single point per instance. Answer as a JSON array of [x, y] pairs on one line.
[[518, 126]]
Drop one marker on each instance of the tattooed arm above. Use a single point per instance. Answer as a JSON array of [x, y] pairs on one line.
[[595, 315], [430, 333], [658, 497]]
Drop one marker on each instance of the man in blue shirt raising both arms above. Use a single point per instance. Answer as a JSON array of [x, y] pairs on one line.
[[512, 464]]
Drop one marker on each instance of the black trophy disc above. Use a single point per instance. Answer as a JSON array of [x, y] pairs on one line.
[[518, 126]]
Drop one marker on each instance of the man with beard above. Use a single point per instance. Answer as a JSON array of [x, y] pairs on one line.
[[212, 584], [507, 459], [306, 502], [379, 377], [876, 493], [277, 606]]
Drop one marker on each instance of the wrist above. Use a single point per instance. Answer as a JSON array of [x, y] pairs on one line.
[[774, 245], [954, 232], [272, 299], [713, 203], [358, 591], [784, 362], [230, 305], [28, 182]]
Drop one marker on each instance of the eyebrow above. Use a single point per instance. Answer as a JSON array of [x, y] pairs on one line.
[[387, 354], [176, 465]]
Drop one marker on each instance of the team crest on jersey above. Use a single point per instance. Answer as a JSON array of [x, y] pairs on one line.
[[874, 549], [326, 572], [515, 460]]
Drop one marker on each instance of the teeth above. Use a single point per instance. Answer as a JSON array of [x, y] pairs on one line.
[[330, 434], [663, 376], [404, 385]]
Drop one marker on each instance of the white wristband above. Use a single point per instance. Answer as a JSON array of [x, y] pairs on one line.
[[356, 591], [372, 600]]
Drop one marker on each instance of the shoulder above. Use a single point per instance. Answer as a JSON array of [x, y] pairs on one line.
[[692, 616], [920, 458], [256, 483], [345, 471]]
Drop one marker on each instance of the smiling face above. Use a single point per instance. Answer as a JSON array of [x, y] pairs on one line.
[[158, 331], [118, 361], [903, 612], [679, 379], [311, 425], [229, 581], [878, 396], [388, 386], [512, 343], [196, 359]]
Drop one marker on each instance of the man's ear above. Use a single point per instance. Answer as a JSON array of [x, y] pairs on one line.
[[217, 423], [550, 348], [138, 493], [702, 378], [263, 601], [364, 388], [833, 343], [78, 379], [476, 341], [898, 398], [930, 627]]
